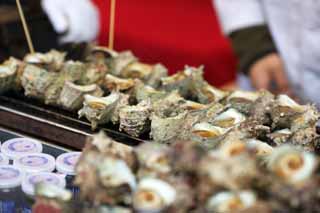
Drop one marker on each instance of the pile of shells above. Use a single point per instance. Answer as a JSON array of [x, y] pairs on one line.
[[237, 176], [212, 150], [112, 87]]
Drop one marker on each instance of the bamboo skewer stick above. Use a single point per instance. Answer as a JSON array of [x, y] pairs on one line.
[[25, 27], [112, 23]]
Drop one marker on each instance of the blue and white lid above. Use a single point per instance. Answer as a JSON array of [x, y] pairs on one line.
[[66, 162], [10, 176], [30, 181], [36, 162], [18, 147], [4, 160]]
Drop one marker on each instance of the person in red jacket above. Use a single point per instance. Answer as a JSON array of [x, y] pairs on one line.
[[174, 33]]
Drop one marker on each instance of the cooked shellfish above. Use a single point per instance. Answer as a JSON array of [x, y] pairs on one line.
[[231, 202], [154, 160], [153, 195], [36, 81], [121, 61], [113, 83], [166, 129], [228, 119], [72, 95], [292, 165], [99, 110], [53, 60], [7, 78], [242, 100], [135, 120]]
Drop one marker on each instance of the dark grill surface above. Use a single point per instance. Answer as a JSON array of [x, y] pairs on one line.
[[51, 123]]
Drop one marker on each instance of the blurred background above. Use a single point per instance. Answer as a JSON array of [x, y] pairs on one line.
[[174, 33]]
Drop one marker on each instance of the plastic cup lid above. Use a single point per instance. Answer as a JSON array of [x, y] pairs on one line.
[[31, 180], [18, 147], [66, 162], [10, 176], [4, 160], [36, 162]]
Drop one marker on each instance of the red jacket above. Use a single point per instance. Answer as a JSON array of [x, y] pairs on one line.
[[173, 32]]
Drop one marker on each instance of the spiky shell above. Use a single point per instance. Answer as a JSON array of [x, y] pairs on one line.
[[113, 83], [285, 112], [180, 81], [36, 81], [306, 138], [145, 92], [280, 137], [217, 170], [115, 173], [166, 129], [208, 94], [99, 110], [242, 100], [53, 60], [73, 70], [134, 120], [137, 70], [228, 119], [169, 106], [158, 71], [123, 102], [153, 195], [72, 95], [154, 160], [262, 107], [292, 165], [207, 134], [7, 78], [94, 74], [121, 61], [99, 54], [260, 148], [231, 202], [191, 105]]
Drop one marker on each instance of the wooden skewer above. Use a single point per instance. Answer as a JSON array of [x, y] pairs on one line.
[[112, 20], [25, 27]]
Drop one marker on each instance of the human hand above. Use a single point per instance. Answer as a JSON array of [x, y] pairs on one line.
[[268, 73], [77, 20]]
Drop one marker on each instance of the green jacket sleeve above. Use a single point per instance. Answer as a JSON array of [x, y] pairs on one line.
[[250, 44]]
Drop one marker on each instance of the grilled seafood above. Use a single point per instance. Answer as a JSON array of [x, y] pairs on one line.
[[135, 120], [72, 95], [99, 110]]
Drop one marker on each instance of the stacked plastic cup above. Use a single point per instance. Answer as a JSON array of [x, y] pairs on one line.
[[35, 163], [4, 160], [18, 147], [65, 164], [31, 180], [10, 181]]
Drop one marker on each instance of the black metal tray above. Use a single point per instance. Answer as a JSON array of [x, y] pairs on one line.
[[27, 115]]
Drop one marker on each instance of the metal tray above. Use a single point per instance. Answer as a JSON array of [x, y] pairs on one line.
[[51, 123]]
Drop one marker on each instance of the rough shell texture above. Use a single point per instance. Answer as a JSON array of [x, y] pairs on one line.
[[99, 110], [72, 95], [7, 78], [154, 160], [113, 83], [36, 81], [134, 120], [166, 129], [121, 62], [52, 61]]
